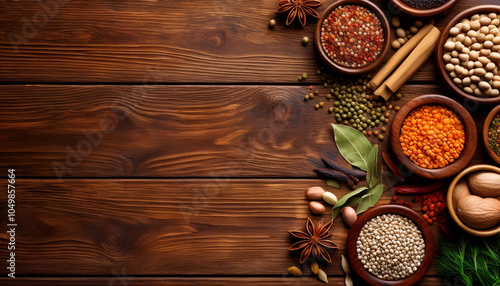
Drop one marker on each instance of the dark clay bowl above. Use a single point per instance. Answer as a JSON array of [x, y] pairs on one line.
[[470, 137], [486, 126], [440, 51], [352, 238], [385, 25], [401, 5]]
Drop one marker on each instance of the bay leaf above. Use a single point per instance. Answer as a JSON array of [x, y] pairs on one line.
[[333, 183], [372, 176], [352, 145], [370, 198]]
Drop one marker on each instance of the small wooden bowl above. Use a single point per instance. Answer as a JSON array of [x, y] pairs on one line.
[[440, 51], [352, 239], [470, 137], [387, 37], [451, 208], [486, 126], [401, 5]]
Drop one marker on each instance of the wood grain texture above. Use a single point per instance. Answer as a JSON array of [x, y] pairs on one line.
[[209, 41], [234, 131], [157, 281], [170, 227]]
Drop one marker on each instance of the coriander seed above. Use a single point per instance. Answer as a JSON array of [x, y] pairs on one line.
[[272, 23], [305, 41]]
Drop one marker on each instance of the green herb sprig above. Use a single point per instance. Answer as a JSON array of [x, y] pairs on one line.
[[471, 260], [358, 151]]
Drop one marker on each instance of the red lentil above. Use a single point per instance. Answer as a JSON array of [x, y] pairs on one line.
[[432, 136], [352, 36]]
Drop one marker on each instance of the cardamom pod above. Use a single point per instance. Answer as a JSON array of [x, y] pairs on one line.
[[315, 268], [294, 271], [345, 265], [348, 281], [322, 276]]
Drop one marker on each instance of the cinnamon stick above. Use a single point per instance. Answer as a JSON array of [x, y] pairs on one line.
[[398, 57], [412, 64], [414, 61]]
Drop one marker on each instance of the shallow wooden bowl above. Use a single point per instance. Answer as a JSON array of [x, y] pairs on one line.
[[451, 208], [470, 137], [385, 25], [387, 209], [486, 126], [401, 5], [440, 51]]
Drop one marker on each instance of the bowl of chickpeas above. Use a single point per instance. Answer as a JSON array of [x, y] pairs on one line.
[[468, 55], [433, 136]]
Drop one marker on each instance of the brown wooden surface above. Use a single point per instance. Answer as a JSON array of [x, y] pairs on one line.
[[236, 131], [165, 227], [208, 41], [197, 180], [156, 281]]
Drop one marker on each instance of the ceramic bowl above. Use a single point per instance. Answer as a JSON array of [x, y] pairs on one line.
[[405, 8], [385, 25], [450, 203], [440, 51], [486, 126], [470, 137], [352, 238]]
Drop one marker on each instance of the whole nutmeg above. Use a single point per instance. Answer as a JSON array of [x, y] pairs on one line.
[[317, 207], [349, 216], [315, 193]]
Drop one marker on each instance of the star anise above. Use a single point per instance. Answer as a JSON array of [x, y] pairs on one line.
[[302, 8], [315, 241]]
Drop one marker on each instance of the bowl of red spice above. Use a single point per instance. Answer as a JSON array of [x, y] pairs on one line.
[[423, 8], [491, 134], [433, 136], [352, 36]]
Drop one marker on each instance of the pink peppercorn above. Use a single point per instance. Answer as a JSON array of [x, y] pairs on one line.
[[352, 36]]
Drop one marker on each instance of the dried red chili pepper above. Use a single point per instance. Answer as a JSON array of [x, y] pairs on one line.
[[418, 189], [388, 161]]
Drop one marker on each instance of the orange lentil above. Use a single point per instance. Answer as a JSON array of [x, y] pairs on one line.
[[425, 208], [426, 216], [432, 136]]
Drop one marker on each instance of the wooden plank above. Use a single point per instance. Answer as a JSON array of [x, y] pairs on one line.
[[235, 131], [171, 227], [165, 41], [156, 281]]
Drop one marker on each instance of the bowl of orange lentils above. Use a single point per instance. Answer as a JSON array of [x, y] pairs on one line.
[[433, 136]]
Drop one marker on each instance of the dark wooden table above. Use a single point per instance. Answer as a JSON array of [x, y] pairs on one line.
[[166, 142]]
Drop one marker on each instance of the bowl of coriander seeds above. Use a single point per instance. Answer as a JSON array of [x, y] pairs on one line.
[[390, 245]]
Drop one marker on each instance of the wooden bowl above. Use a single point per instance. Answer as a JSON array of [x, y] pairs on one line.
[[401, 5], [470, 137], [486, 126], [386, 209], [451, 208], [440, 51], [385, 25]]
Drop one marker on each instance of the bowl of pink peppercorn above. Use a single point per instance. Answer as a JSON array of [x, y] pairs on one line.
[[352, 36]]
